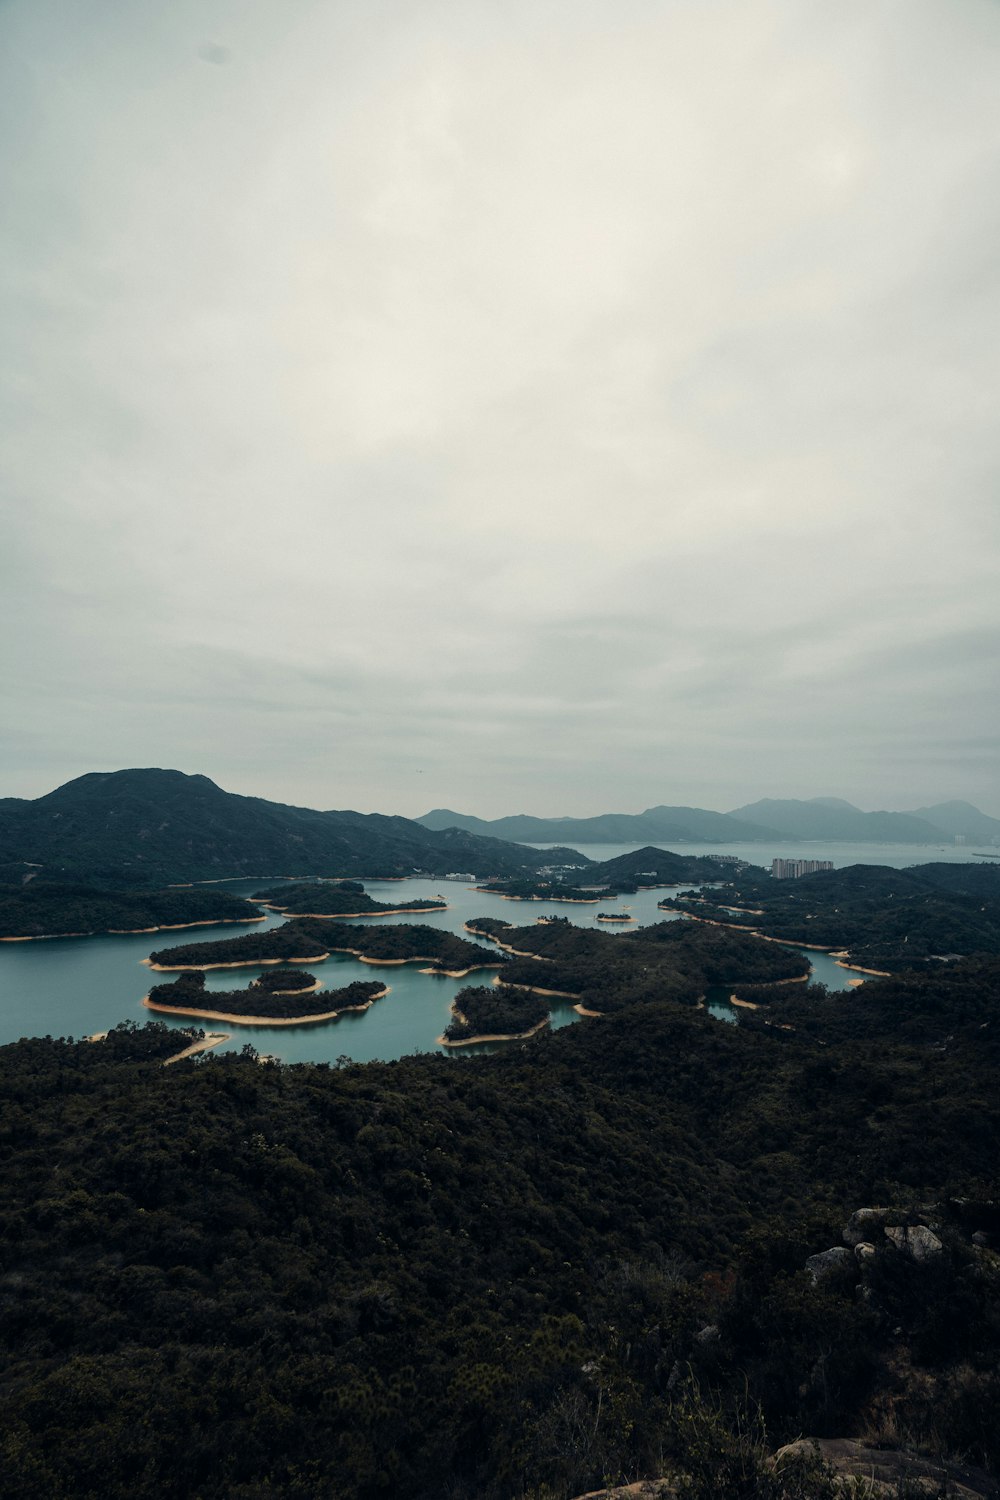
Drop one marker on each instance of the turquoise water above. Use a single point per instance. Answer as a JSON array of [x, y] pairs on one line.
[[76, 986]]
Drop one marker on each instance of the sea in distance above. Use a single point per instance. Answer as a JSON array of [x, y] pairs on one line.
[[78, 986]]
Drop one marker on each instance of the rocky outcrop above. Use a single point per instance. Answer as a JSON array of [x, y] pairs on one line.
[[868, 1228], [826, 1262], [890, 1471], [915, 1240], [865, 1223]]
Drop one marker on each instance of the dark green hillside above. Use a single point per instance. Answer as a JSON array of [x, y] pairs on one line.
[[493, 1279], [45, 908], [148, 827]]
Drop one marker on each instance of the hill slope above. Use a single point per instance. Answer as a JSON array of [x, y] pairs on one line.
[[830, 818], [679, 825], [143, 827], [961, 818]]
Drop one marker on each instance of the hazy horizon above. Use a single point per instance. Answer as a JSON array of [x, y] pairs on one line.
[[560, 408], [519, 812]]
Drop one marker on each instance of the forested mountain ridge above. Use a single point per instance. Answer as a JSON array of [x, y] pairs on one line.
[[154, 827]]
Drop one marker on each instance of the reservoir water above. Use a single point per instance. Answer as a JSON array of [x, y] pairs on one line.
[[76, 986]]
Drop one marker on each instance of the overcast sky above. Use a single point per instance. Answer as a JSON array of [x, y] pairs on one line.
[[537, 405]]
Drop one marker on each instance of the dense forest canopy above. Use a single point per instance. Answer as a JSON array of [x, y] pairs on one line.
[[593, 1257], [675, 960]]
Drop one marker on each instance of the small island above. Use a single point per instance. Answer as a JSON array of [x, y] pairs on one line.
[[309, 940], [545, 890], [263, 1003], [614, 916], [345, 898], [493, 1014]]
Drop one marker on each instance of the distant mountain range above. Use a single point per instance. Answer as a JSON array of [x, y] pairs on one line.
[[678, 825], [143, 828], [154, 827], [820, 818]]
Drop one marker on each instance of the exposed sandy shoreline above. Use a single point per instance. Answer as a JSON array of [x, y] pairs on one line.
[[344, 916], [243, 963], [207, 1042], [506, 1036], [499, 1036], [189, 885], [517, 952], [714, 922], [450, 973], [771, 983], [318, 958], [202, 1044], [220, 1015], [44, 937], [537, 989], [556, 900]]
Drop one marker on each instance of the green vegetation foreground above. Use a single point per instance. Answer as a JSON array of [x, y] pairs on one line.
[[584, 1260]]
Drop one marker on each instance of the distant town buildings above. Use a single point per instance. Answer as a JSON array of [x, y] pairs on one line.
[[791, 869]]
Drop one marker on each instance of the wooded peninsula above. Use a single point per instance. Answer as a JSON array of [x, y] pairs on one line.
[[42, 908]]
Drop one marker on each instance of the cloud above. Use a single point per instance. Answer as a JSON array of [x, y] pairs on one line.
[[584, 403]]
